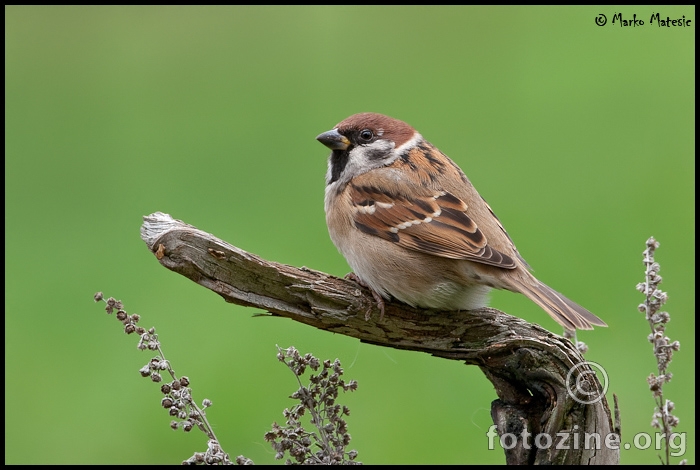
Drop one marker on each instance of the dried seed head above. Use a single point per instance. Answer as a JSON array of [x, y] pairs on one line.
[[145, 371]]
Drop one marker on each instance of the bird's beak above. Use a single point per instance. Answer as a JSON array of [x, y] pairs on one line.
[[334, 140]]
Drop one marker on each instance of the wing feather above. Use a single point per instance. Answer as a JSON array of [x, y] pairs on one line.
[[429, 221]]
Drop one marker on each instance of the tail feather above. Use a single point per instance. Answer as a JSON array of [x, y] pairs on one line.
[[568, 314]]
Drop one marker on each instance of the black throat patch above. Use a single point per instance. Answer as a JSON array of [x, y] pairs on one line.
[[339, 160]]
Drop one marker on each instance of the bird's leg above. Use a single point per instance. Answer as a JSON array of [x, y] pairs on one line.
[[378, 298]]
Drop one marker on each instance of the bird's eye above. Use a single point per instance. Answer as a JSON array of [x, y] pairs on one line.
[[366, 135]]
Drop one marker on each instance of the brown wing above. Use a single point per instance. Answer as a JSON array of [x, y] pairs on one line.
[[422, 219]]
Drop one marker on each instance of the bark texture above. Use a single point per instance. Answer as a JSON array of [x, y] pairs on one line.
[[544, 386]]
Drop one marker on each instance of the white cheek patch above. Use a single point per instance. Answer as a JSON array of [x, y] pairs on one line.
[[364, 158]]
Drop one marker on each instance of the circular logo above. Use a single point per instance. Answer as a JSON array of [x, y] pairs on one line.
[[581, 383]]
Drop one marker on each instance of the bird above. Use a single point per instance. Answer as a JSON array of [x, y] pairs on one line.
[[413, 227]]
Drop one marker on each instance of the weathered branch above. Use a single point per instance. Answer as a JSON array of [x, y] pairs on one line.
[[529, 366]]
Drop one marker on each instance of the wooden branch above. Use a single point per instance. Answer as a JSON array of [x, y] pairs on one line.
[[529, 366]]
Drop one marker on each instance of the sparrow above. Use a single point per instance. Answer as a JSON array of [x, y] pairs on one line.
[[412, 226]]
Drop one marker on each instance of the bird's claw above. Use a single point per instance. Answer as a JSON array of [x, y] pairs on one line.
[[378, 298]]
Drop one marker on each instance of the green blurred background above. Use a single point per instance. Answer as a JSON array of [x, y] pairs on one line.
[[580, 137]]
